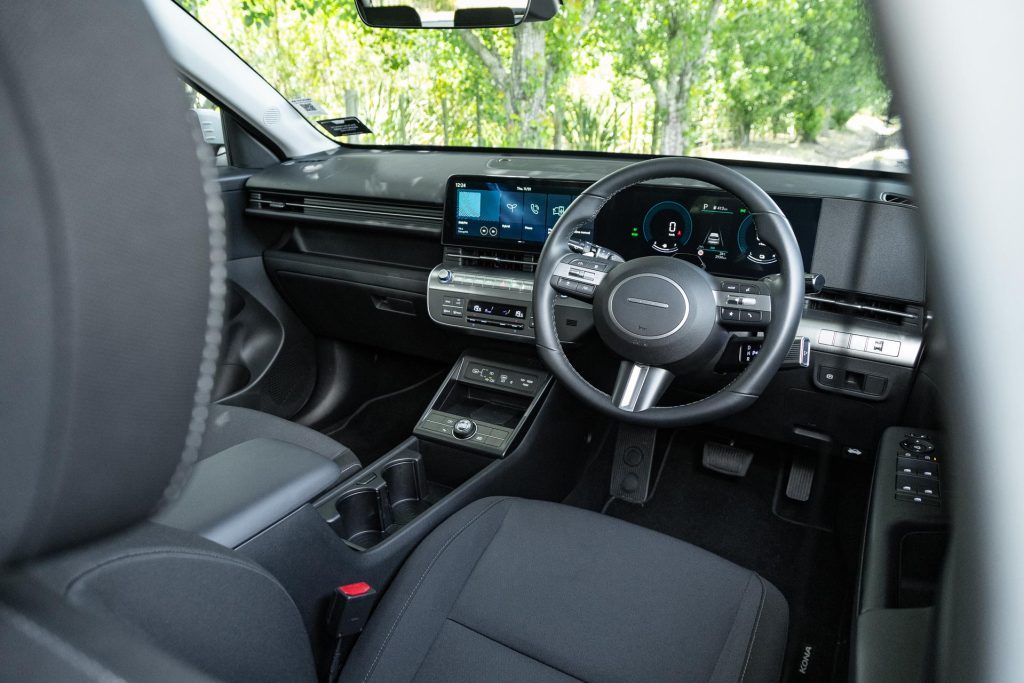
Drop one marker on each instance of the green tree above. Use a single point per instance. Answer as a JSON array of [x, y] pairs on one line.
[[529, 66], [824, 72], [666, 44]]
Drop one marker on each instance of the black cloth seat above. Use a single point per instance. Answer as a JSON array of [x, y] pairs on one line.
[[229, 426], [510, 590]]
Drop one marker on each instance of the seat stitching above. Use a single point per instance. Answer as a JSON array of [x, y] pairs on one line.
[[734, 622], [753, 634], [509, 647], [469, 575], [412, 594], [184, 553]]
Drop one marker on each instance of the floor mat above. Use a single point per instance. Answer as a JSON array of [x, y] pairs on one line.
[[383, 422], [734, 518]]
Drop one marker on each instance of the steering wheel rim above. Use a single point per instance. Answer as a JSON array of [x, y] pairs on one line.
[[786, 297]]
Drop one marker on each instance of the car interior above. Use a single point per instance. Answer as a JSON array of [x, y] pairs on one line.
[[283, 407]]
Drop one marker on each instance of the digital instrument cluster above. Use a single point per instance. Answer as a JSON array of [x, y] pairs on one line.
[[709, 228]]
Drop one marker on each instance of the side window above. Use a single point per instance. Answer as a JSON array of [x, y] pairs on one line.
[[207, 118]]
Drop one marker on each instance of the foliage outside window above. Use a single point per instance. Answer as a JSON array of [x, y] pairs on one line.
[[785, 80]]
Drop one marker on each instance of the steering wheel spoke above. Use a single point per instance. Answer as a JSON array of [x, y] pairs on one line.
[[578, 276], [639, 387], [743, 304]]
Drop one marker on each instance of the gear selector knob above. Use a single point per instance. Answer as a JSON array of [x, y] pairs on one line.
[[464, 428]]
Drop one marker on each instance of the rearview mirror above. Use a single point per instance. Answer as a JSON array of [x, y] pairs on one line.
[[453, 13]]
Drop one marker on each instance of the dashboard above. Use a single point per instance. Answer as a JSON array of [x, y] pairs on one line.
[[368, 247], [707, 227]]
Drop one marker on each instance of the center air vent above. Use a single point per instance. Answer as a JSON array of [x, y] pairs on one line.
[[867, 307], [472, 257]]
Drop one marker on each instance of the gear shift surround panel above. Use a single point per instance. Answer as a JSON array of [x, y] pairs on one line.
[[484, 404]]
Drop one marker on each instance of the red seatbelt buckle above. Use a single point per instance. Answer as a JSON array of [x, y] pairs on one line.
[[350, 608]]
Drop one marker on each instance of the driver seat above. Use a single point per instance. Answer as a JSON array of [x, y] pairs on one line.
[[513, 590], [110, 306]]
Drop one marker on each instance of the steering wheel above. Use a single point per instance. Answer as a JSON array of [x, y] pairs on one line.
[[664, 316]]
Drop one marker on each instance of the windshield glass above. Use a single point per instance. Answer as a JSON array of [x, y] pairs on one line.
[[792, 81]]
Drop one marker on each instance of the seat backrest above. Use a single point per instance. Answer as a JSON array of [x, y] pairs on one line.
[[111, 299]]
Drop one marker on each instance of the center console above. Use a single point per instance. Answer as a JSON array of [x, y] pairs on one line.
[[484, 405], [476, 419]]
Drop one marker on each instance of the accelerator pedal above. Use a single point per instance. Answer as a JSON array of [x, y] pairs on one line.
[[631, 469], [801, 478], [728, 460]]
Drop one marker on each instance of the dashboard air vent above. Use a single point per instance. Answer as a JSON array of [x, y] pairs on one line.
[[337, 209], [876, 309], [897, 198], [472, 257]]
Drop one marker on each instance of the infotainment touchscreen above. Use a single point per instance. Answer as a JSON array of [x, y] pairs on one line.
[[510, 213]]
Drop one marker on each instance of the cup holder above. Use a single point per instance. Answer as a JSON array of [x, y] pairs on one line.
[[368, 515], [406, 487], [359, 518]]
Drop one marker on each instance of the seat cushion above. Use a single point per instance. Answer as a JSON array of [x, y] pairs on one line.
[[230, 425], [511, 589]]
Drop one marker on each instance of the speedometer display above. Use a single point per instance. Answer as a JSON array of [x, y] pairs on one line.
[[667, 227]]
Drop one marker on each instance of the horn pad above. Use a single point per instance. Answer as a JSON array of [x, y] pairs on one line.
[[658, 310]]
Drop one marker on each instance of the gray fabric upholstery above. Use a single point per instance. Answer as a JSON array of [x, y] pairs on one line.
[[43, 638], [235, 494], [105, 270], [511, 589], [212, 608], [230, 425]]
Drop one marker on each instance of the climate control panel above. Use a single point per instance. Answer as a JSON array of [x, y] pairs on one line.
[[497, 303]]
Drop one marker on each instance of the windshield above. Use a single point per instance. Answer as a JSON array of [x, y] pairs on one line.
[[792, 81]]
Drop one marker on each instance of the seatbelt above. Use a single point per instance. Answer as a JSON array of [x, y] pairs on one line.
[[350, 610]]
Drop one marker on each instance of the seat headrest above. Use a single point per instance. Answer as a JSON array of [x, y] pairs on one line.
[[106, 274]]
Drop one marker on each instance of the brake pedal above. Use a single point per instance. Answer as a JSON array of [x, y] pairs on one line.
[[801, 478], [727, 460], [631, 469]]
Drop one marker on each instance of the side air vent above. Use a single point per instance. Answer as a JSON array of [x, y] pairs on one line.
[[866, 307], [336, 209], [471, 257], [897, 198]]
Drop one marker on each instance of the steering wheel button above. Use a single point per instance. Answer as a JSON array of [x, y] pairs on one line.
[[565, 284], [749, 289], [730, 314], [730, 287], [750, 316]]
